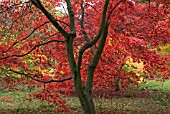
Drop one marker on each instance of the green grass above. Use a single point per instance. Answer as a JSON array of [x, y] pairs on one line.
[[19, 104], [150, 98], [156, 86]]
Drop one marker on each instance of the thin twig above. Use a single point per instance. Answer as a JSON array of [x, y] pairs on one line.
[[113, 9]]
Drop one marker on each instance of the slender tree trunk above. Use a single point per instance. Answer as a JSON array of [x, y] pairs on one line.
[[84, 93], [117, 84], [86, 103], [85, 98]]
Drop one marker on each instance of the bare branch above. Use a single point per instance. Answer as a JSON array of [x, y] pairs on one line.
[[38, 4], [92, 42], [82, 28], [109, 15], [64, 9], [63, 22], [50, 36], [82, 23], [28, 35], [38, 80], [91, 6], [71, 14], [37, 45], [94, 62]]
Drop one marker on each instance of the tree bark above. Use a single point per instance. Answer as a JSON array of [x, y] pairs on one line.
[[85, 98], [117, 84]]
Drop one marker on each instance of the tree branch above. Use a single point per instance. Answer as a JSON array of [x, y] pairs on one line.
[[96, 58], [37, 45], [38, 80], [38, 4], [70, 38], [71, 14], [109, 15], [91, 6], [63, 22], [82, 28], [27, 36], [92, 42]]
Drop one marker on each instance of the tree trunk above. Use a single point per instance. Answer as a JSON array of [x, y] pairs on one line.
[[83, 94], [117, 84], [86, 99]]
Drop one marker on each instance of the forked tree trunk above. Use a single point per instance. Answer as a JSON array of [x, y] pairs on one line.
[[85, 94]]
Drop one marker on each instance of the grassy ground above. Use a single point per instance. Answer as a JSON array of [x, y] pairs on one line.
[[150, 98]]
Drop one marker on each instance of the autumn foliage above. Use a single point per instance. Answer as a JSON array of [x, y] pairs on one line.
[[34, 51]]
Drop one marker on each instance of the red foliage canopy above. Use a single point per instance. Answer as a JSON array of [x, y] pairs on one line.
[[32, 47]]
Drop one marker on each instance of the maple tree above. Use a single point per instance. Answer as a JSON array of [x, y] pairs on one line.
[[83, 47]]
